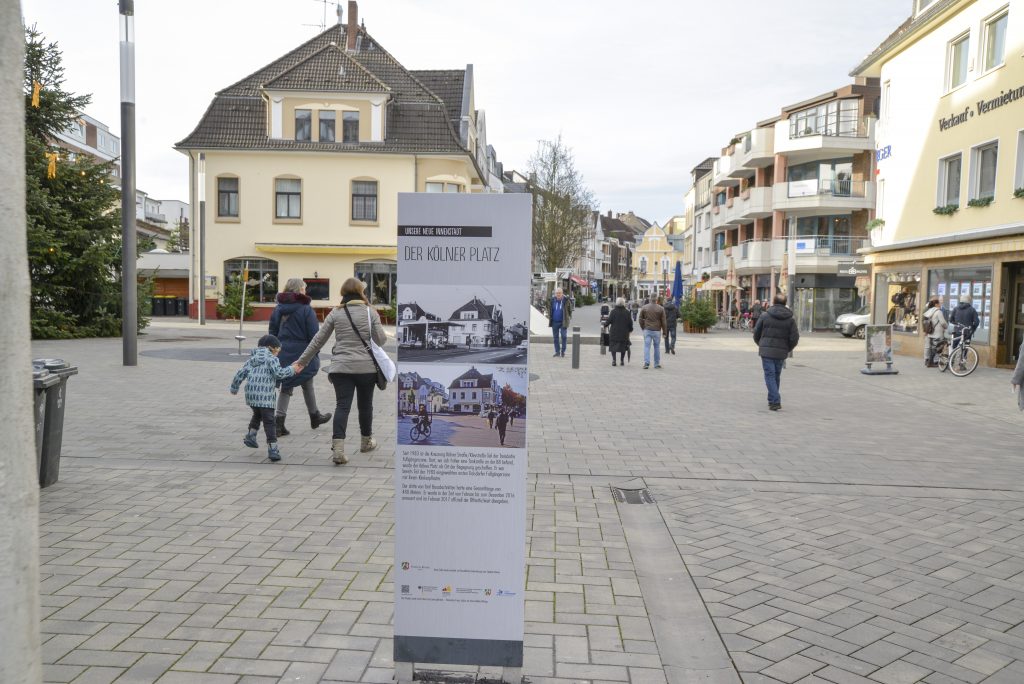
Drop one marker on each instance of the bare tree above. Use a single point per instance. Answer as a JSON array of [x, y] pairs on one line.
[[562, 205]]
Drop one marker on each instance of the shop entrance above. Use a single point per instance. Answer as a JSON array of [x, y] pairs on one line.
[[1013, 333]]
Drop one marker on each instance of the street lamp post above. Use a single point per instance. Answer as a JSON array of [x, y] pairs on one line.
[[129, 284], [202, 239]]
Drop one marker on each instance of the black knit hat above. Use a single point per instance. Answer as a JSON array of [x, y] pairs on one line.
[[269, 341]]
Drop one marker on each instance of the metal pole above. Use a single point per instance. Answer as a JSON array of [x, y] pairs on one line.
[[241, 314], [129, 281], [202, 238], [19, 474], [575, 346]]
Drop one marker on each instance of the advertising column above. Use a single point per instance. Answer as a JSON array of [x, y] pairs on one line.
[[462, 323]]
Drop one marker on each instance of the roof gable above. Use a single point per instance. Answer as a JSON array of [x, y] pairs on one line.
[[329, 69]]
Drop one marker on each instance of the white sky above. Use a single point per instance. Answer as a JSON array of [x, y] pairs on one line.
[[642, 91]]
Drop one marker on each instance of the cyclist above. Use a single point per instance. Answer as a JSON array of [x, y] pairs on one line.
[[965, 315], [422, 417]]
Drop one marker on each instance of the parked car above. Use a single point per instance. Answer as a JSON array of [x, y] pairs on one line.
[[523, 345], [852, 324]]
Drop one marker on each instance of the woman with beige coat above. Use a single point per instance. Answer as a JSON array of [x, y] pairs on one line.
[[352, 369]]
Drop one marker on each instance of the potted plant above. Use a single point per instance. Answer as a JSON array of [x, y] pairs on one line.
[[947, 210], [980, 201], [1019, 193], [698, 315]]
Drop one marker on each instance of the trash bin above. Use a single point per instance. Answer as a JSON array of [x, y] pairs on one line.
[[42, 380], [182, 308], [166, 306], [53, 424], [156, 306]]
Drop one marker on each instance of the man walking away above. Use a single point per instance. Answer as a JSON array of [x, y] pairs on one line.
[[755, 312], [652, 322], [966, 315], [776, 336], [671, 325], [559, 315]]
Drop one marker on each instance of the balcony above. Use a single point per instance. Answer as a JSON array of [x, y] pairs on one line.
[[753, 255], [756, 150], [824, 139], [757, 203], [819, 195], [720, 173]]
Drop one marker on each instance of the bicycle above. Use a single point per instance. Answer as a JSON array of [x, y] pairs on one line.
[[420, 430], [957, 355]]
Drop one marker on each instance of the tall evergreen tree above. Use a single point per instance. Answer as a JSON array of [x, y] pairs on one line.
[[73, 219]]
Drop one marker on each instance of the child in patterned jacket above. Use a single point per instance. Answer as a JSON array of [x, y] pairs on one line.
[[262, 372]]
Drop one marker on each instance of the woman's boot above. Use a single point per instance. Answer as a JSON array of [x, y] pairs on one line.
[[338, 451], [317, 419], [368, 444], [281, 429]]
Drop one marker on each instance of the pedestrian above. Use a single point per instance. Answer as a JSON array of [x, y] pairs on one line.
[[502, 426], [294, 323], [671, 325], [352, 370], [966, 316], [652, 323], [261, 373], [620, 325], [634, 309], [1017, 380], [934, 324], [776, 335], [559, 316], [755, 313], [490, 419]]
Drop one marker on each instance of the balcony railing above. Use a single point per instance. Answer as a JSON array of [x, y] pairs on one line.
[[834, 124], [832, 187], [829, 245]]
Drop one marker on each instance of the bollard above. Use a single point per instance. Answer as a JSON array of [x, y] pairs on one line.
[[604, 348], [575, 346]]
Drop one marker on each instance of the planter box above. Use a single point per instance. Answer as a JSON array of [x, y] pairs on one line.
[[687, 328]]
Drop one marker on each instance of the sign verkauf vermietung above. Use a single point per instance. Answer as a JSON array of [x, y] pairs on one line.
[[462, 401]]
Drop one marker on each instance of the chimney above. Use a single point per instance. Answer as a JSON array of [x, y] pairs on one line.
[[609, 213], [352, 30], [337, 8]]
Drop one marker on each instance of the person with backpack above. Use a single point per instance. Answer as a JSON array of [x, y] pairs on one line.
[[934, 325]]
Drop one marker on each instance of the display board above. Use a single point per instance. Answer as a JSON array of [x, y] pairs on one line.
[[462, 320]]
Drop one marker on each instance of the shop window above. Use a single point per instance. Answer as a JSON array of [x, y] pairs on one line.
[[959, 55], [444, 187], [261, 287], [288, 198], [897, 300], [364, 200], [318, 288], [327, 118], [949, 181], [381, 280], [954, 284], [350, 127], [994, 36], [227, 197], [303, 124], [983, 170]]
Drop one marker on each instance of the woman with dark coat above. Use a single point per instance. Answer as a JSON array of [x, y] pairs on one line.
[[294, 323], [620, 324]]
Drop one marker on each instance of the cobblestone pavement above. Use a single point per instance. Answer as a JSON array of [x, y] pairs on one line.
[[869, 532]]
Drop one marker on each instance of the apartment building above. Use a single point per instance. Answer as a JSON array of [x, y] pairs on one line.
[[791, 201], [300, 164], [951, 170], [698, 212], [654, 263]]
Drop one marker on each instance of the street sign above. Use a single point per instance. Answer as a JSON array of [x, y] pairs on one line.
[[853, 268]]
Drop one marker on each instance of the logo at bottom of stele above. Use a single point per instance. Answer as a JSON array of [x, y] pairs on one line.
[[447, 589]]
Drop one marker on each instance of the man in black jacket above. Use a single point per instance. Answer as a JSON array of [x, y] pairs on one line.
[[672, 323], [966, 315], [776, 335]]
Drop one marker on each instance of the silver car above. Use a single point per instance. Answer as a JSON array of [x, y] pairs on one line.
[[852, 324]]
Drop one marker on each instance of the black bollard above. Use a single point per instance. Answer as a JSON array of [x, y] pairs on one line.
[[575, 346]]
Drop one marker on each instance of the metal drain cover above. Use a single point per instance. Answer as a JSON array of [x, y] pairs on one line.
[[632, 496]]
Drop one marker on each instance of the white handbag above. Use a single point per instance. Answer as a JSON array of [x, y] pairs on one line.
[[387, 366]]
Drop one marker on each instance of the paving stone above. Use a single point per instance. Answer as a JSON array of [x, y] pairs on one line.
[[900, 672]]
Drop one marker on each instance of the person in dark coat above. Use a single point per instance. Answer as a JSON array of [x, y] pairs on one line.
[[672, 325], [620, 325], [776, 335], [755, 312], [965, 315], [294, 323]]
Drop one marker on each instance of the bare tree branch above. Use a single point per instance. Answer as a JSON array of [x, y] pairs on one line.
[[562, 219]]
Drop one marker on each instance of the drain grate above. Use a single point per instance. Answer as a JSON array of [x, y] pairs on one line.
[[632, 496]]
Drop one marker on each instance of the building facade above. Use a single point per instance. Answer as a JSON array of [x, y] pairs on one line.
[[951, 171], [301, 162], [791, 201], [654, 263], [472, 392]]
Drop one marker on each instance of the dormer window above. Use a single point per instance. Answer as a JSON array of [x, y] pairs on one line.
[[303, 124], [922, 5], [327, 118], [350, 127]]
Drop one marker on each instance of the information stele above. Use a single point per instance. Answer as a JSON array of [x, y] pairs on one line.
[[460, 511]]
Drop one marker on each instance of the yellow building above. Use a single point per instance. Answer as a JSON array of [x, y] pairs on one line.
[[654, 262], [950, 158], [301, 162]]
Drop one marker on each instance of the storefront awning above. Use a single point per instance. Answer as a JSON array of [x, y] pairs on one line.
[[579, 281]]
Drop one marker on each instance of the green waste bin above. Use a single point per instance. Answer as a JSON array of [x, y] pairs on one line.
[[42, 380], [53, 424]]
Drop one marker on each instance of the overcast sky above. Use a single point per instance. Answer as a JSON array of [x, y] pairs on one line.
[[642, 90]]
